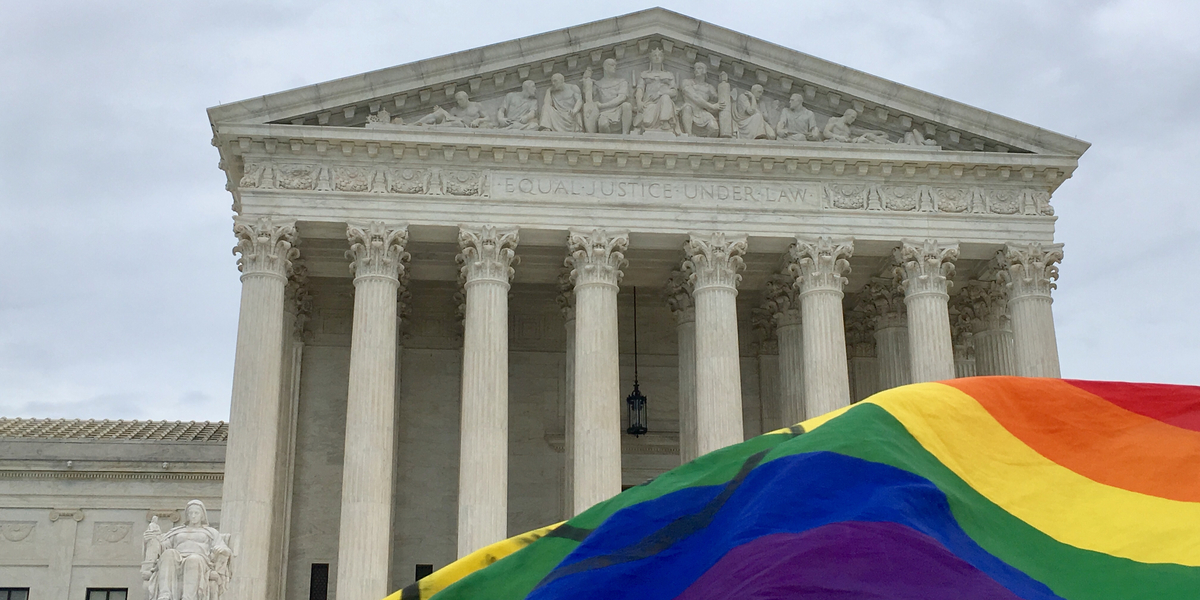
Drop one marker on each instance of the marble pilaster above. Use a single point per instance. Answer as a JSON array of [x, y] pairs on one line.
[[883, 303], [596, 257], [566, 304], [924, 270], [486, 257], [1030, 271], [819, 266], [713, 261], [782, 306], [267, 249], [378, 259], [678, 293]]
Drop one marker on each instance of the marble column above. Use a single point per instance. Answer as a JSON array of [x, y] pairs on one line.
[[713, 261], [924, 271], [984, 305], [1030, 271], [678, 293], [783, 308], [267, 250], [963, 339], [596, 257], [297, 311], [883, 303], [364, 536], [860, 355], [566, 304], [487, 255], [819, 266]]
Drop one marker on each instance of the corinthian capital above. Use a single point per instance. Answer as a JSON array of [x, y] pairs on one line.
[[678, 293], [983, 305], [566, 295], [377, 249], [487, 253], [924, 267], [714, 259], [1030, 270], [882, 303], [781, 301], [266, 247], [821, 263], [596, 256], [860, 334], [298, 301]]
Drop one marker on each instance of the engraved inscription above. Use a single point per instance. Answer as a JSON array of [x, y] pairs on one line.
[[651, 190]]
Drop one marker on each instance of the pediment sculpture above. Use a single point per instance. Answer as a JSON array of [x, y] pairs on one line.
[[191, 561], [652, 101]]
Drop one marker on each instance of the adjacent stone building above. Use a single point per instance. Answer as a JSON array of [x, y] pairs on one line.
[[440, 261]]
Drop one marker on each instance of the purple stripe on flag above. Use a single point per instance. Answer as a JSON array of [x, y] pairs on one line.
[[853, 560]]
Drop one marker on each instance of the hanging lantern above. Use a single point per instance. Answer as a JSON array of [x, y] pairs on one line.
[[636, 402]]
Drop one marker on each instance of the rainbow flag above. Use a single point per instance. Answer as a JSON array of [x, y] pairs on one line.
[[980, 488]]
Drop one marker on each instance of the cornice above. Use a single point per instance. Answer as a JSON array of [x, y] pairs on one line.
[[109, 475]]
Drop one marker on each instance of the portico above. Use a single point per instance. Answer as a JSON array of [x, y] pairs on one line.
[[444, 402]]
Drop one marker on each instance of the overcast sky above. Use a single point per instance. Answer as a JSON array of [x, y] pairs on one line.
[[119, 293]]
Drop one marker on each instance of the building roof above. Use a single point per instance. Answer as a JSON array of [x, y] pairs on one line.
[[91, 429]]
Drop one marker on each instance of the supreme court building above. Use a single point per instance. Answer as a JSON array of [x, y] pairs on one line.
[[439, 265]]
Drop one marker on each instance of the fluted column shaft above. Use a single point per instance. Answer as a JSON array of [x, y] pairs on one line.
[[1030, 271], [247, 509], [819, 268], [364, 537], [860, 351], [994, 352], [678, 293], [596, 259], [925, 268], [713, 260], [892, 348], [789, 330], [486, 257], [566, 303]]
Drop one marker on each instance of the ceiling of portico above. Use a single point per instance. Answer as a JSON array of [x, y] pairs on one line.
[[487, 74]]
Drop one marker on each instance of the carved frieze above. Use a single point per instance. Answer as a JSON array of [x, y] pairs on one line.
[[366, 179], [16, 531], [110, 532], [945, 199]]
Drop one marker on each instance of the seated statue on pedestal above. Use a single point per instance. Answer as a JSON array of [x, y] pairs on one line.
[[837, 129], [464, 113], [655, 98], [701, 104], [797, 123], [750, 123], [607, 103], [189, 562], [561, 106], [519, 110]]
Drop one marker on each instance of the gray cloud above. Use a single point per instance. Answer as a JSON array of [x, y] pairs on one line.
[[118, 294]]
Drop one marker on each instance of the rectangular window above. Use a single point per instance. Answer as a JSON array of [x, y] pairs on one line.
[[14, 593], [318, 582], [107, 593], [424, 571]]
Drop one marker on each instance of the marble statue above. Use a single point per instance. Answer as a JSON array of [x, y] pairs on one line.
[[655, 97], [383, 118], [464, 113], [519, 110], [797, 123], [749, 120], [837, 129], [561, 107], [701, 105], [915, 138], [606, 102], [189, 562]]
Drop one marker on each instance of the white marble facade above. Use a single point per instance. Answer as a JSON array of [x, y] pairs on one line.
[[438, 263]]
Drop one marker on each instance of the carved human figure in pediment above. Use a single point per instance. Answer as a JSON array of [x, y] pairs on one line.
[[701, 104], [837, 129], [562, 106], [654, 98], [464, 113], [797, 123], [916, 138], [748, 118], [607, 104], [383, 118], [519, 110], [188, 562]]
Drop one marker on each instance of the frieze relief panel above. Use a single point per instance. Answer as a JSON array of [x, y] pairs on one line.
[[809, 195]]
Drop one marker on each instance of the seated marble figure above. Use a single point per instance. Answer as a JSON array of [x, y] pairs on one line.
[[519, 109], [607, 106], [797, 123], [654, 98], [561, 106], [749, 121], [189, 562], [464, 113], [701, 105]]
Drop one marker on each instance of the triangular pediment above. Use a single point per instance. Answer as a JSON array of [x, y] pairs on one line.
[[409, 92]]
